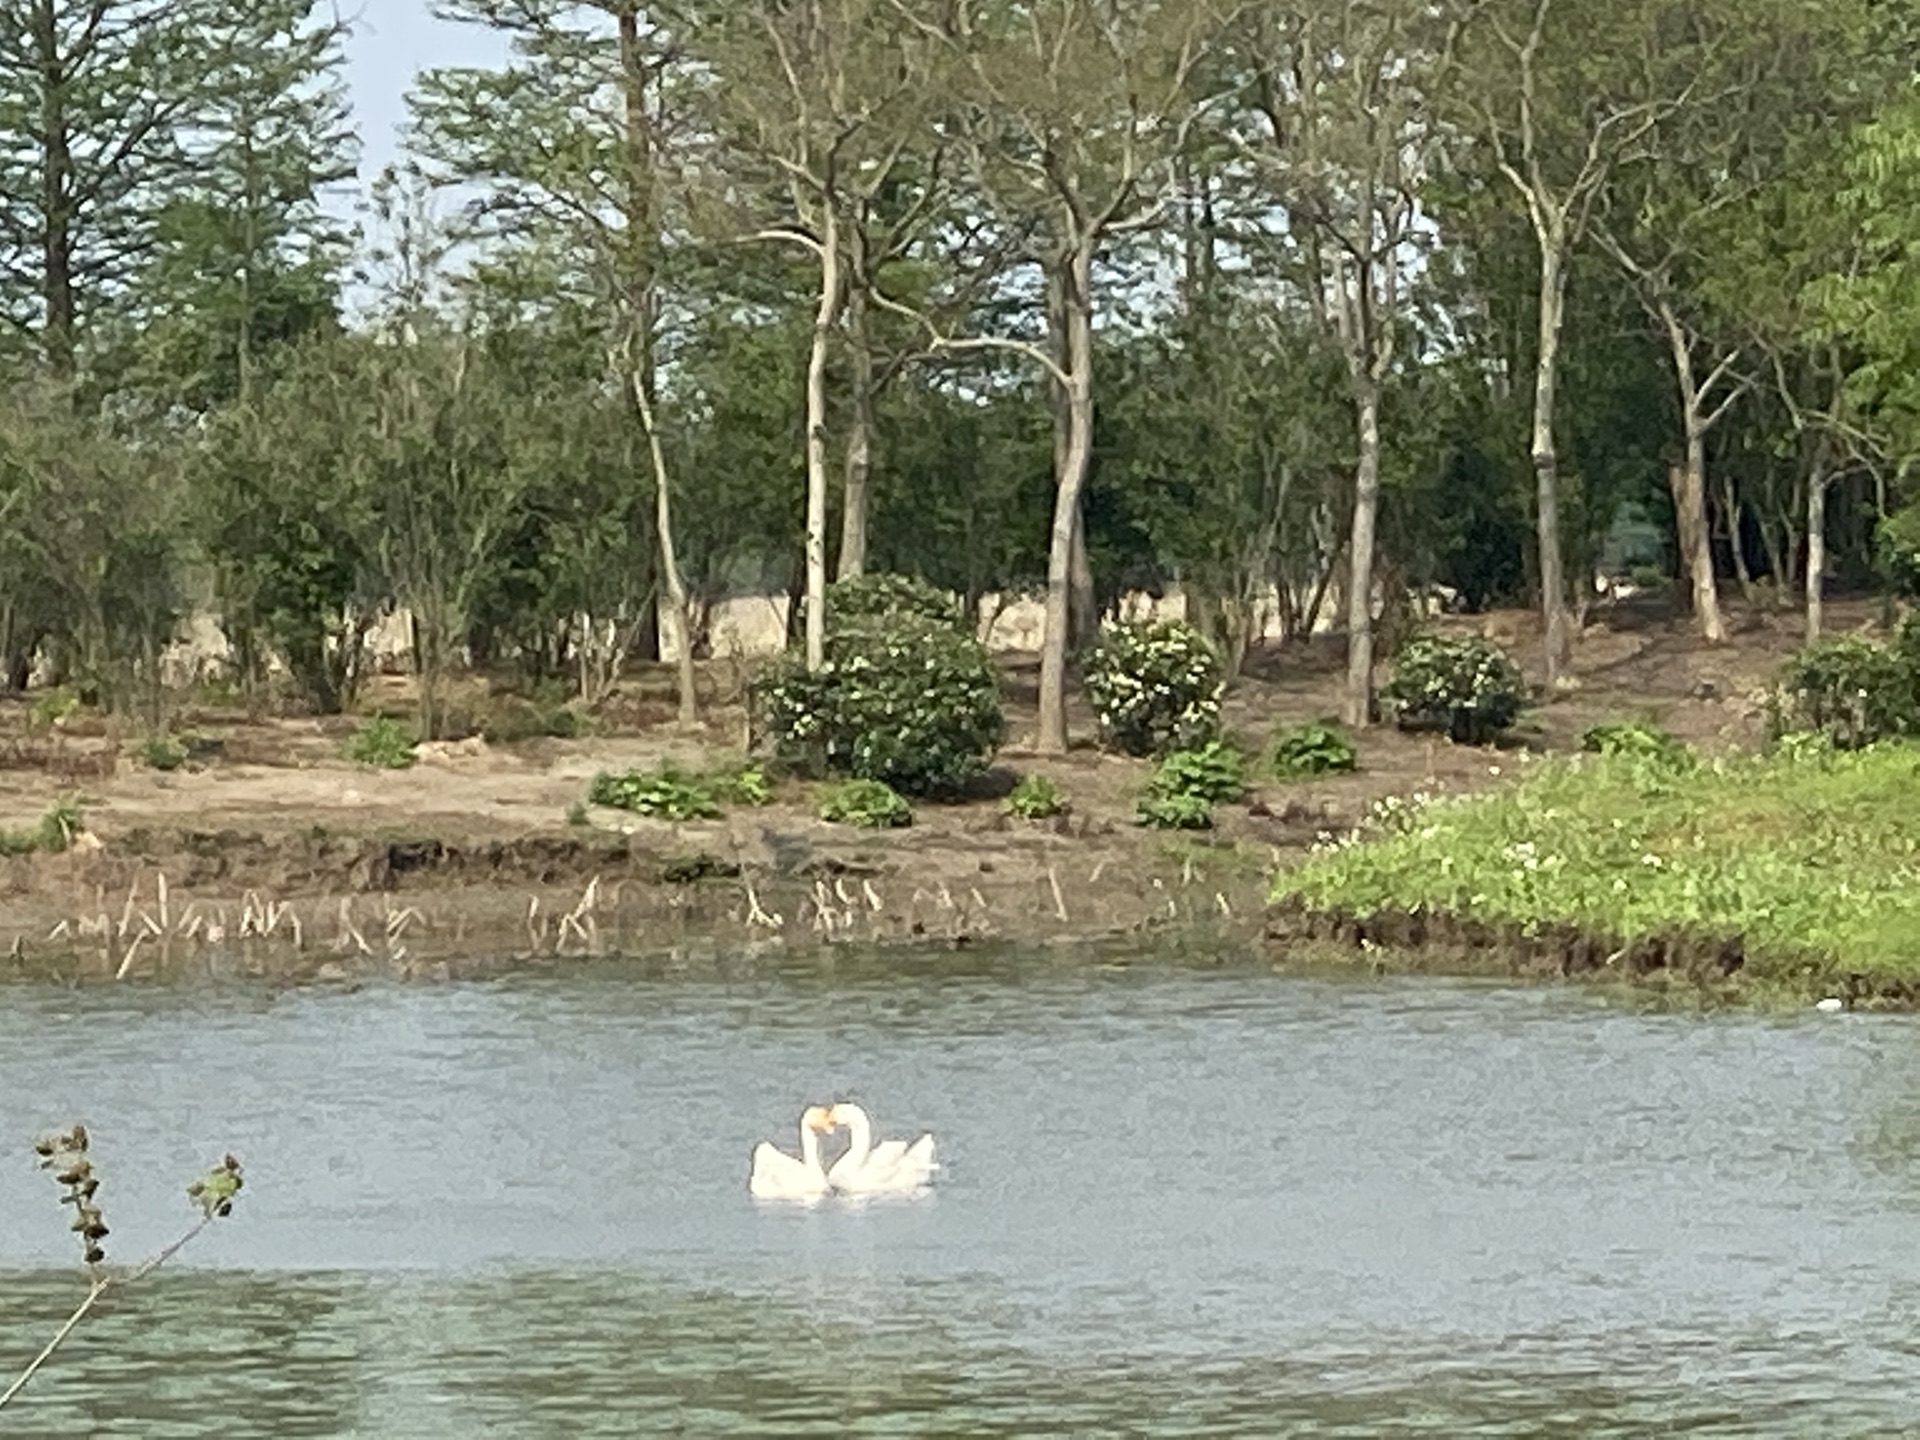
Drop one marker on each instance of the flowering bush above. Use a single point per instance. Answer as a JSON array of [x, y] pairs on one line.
[[903, 699], [1154, 686], [1849, 690], [1469, 687]]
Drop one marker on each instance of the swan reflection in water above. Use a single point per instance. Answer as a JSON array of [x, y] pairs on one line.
[[893, 1167]]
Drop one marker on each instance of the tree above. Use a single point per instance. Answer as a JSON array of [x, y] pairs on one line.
[[820, 98], [1346, 96], [1559, 97], [567, 144], [97, 99], [1070, 115], [247, 255]]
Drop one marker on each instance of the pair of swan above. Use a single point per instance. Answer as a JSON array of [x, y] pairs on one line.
[[892, 1167]]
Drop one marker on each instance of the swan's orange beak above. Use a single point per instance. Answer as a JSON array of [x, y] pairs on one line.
[[821, 1120]]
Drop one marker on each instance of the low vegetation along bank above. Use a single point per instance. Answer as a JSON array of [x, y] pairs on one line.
[[1794, 875]]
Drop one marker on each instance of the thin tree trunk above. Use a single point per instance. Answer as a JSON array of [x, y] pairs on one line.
[[826, 315], [859, 472], [1073, 457], [56, 200], [1083, 607], [1357, 706], [1816, 552], [1736, 539], [669, 564], [1546, 460], [1688, 481]]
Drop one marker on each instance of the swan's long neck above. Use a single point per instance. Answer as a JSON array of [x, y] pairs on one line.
[[860, 1132], [810, 1147]]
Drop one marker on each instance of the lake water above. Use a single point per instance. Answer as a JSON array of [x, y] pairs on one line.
[[1178, 1200]]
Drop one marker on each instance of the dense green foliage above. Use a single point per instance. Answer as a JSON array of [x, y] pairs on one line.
[[1804, 858], [1467, 687], [869, 804], [903, 699], [665, 794], [1310, 749], [1035, 797], [1154, 686], [383, 743], [1850, 691], [1187, 784]]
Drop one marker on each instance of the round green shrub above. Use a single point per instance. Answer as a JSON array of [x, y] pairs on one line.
[[1311, 749], [1639, 741], [1467, 686], [866, 803], [904, 700], [1154, 686], [1849, 690]]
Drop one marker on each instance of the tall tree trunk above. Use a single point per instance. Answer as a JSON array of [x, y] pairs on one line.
[[826, 316], [1073, 459], [1546, 459], [56, 199], [859, 472], [1357, 706], [1689, 484]]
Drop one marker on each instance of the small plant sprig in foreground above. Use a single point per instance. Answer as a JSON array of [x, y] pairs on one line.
[[69, 1156]]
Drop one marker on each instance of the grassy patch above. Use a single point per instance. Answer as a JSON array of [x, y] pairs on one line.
[[1798, 854], [382, 743]]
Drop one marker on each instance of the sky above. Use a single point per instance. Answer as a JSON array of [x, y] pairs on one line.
[[393, 40]]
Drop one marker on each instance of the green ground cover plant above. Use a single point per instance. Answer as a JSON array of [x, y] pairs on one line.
[[1809, 853]]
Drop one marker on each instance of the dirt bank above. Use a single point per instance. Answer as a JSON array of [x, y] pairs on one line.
[[270, 851]]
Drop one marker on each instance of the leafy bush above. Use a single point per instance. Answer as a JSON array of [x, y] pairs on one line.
[[861, 598], [870, 804], [1175, 812], [1312, 749], [1850, 690], [54, 834], [1897, 549], [383, 743], [1467, 686], [1036, 798], [52, 708], [1214, 772], [665, 794], [907, 701], [1637, 740], [747, 786], [1185, 788], [163, 752], [1154, 686]]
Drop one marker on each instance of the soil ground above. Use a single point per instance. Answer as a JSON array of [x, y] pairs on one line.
[[474, 851]]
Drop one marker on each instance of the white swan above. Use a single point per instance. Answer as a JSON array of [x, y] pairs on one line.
[[778, 1176], [892, 1167]]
